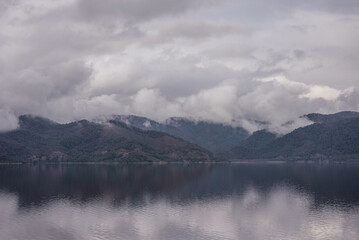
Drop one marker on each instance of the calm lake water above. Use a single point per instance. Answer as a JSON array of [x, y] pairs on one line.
[[223, 201]]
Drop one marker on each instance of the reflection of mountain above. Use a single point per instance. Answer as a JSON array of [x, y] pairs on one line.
[[333, 136], [41, 139], [84, 182], [179, 183]]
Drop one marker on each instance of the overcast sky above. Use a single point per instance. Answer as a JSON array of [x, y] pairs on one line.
[[224, 61]]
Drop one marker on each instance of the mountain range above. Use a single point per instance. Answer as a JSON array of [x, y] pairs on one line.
[[131, 138], [39, 139]]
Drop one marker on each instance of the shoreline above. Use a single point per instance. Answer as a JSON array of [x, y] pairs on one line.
[[186, 163]]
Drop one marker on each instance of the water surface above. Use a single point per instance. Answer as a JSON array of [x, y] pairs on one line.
[[224, 201]]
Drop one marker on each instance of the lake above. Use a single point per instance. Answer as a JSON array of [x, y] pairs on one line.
[[174, 201]]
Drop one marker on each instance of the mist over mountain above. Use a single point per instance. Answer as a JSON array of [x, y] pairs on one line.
[[138, 139], [330, 137]]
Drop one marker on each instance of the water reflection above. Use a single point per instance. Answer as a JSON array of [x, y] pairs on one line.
[[180, 202]]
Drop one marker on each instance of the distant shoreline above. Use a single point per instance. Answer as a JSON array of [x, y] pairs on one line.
[[109, 163], [183, 163]]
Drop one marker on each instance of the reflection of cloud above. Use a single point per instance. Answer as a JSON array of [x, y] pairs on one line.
[[8, 206], [282, 213]]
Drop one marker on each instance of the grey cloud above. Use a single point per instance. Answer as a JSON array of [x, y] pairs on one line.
[[228, 51], [182, 78], [346, 6], [6, 4], [274, 9], [135, 10], [68, 60], [299, 53], [70, 76], [49, 82], [30, 91], [201, 30], [349, 100], [111, 13]]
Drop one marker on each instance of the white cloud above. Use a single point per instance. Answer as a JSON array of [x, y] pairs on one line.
[[8, 120], [150, 102], [324, 92]]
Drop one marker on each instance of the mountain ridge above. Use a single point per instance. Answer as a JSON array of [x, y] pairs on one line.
[[134, 139], [215, 137], [40, 139]]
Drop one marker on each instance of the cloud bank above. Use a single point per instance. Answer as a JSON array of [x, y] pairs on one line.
[[235, 62]]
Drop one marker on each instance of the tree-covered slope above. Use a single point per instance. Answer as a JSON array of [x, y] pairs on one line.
[[212, 136], [249, 148], [42, 139]]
